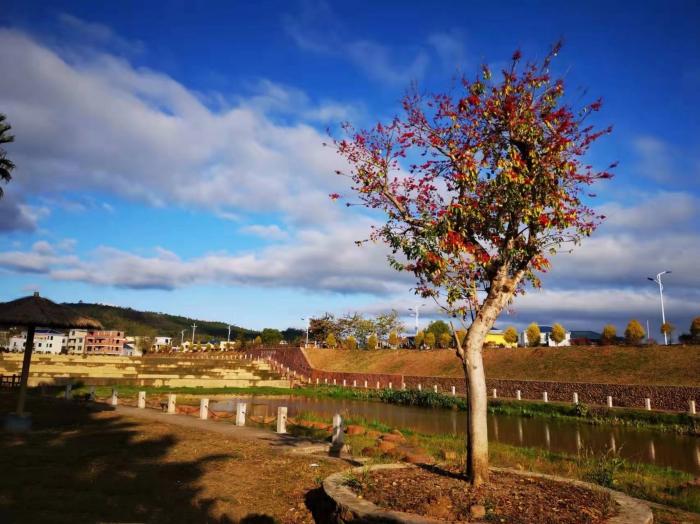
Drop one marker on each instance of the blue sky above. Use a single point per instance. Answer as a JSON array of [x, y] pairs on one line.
[[170, 155]]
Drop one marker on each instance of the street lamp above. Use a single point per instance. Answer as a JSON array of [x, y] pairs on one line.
[[416, 314], [657, 279], [307, 330]]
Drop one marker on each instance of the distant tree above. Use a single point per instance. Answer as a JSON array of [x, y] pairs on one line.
[[331, 341], [144, 344], [394, 340], [532, 333], [558, 333], [420, 340], [634, 333], [609, 335], [667, 329], [385, 324], [6, 166], [695, 330], [271, 337], [461, 336], [429, 340], [320, 328], [510, 335], [372, 341], [445, 340], [350, 343], [257, 341], [437, 328]]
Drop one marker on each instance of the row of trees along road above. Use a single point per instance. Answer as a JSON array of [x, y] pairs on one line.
[[355, 330], [496, 189]]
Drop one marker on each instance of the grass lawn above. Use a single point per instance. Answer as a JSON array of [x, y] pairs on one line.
[[662, 365], [89, 464]]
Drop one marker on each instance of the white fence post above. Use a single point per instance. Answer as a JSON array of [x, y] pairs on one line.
[[545, 397], [171, 403], [281, 419], [204, 408], [454, 391], [495, 393], [390, 385], [610, 402], [691, 407], [365, 384], [114, 400], [435, 388], [377, 384], [240, 414], [344, 383], [518, 395], [403, 386], [575, 398], [354, 383], [420, 387], [647, 404], [141, 402]]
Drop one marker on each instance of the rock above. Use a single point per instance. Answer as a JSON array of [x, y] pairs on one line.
[[373, 434], [392, 437], [417, 458], [355, 430], [477, 511], [385, 446], [449, 455], [370, 452]]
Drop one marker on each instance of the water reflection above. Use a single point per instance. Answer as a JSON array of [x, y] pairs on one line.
[[664, 449]]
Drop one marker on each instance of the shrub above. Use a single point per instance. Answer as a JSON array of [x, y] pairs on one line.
[[372, 341], [350, 343], [558, 333], [533, 335], [394, 339], [430, 340], [331, 342], [445, 340], [609, 335], [695, 329], [420, 339], [510, 335]]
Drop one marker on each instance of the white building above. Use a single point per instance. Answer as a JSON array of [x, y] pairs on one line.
[[546, 338], [45, 341], [162, 343], [76, 341]]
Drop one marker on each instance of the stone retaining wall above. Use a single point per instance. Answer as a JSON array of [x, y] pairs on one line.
[[670, 398]]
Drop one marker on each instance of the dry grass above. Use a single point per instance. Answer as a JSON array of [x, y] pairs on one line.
[[83, 465], [674, 365]]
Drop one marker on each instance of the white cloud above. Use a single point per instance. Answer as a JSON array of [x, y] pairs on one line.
[[270, 232]]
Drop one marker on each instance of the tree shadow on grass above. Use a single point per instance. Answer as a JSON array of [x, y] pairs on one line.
[[79, 466]]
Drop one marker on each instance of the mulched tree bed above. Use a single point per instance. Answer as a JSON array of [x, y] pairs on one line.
[[510, 498]]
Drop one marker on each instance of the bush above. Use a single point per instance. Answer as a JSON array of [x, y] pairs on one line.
[[634, 334], [510, 335], [372, 341], [350, 343], [331, 342], [420, 339], [445, 340], [558, 333], [609, 335], [430, 340], [533, 335]]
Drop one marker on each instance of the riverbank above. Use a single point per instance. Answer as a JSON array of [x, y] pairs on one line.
[[649, 365], [679, 423], [660, 485]]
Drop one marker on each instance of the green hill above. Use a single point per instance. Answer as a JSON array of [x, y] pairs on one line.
[[148, 323]]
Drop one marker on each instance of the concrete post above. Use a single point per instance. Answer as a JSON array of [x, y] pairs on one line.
[[69, 391], [545, 397], [141, 402], [403, 386], [325, 381], [204, 408], [240, 413], [518, 395], [334, 382], [365, 384], [171, 403], [495, 393], [647, 404], [610, 403], [344, 383], [454, 391], [354, 383], [575, 398], [691, 407], [317, 381], [91, 393], [281, 419], [390, 385], [377, 384], [435, 388], [338, 437], [420, 387], [114, 400]]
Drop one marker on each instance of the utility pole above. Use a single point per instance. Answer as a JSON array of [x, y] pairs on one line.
[[194, 327], [182, 337], [228, 339], [657, 279], [648, 333], [416, 314], [308, 321]]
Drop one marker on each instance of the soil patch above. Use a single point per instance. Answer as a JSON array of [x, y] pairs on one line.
[[443, 494]]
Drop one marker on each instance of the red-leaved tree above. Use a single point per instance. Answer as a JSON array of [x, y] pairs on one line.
[[479, 187]]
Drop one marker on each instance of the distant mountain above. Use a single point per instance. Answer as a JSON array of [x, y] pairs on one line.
[[148, 323]]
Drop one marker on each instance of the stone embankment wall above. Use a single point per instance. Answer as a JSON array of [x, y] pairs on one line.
[[671, 398]]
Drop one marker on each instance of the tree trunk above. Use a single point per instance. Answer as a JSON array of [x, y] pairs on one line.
[[29, 347], [477, 465]]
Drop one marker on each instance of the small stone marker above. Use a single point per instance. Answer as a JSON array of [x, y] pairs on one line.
[[171, 403], [691, 407], [647, 404], [610, 404], [240, 413], [204, 408], [337, 437], [69, 391], [281, 419], [518, 395], [114, 400], [545, 397], [495, 393], [575, 398], [91, 393], [141, 402], [420, 387]]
